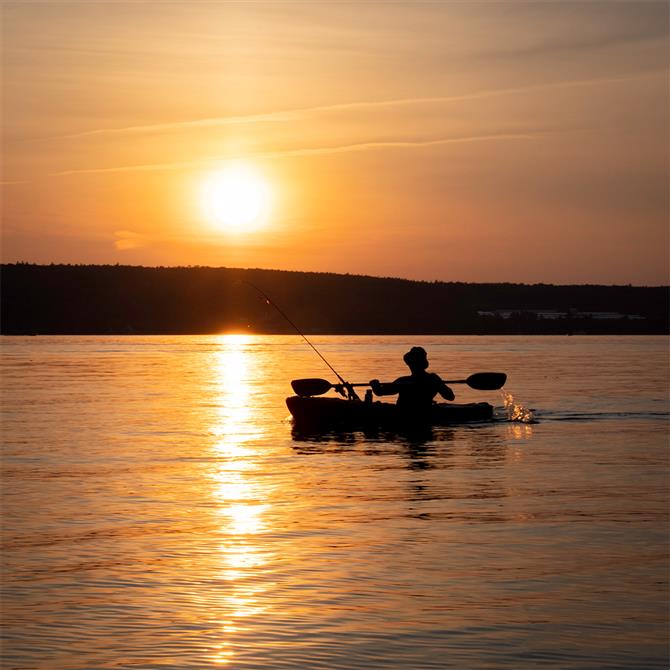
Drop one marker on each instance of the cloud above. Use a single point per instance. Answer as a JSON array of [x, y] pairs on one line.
[[313, 151], [538, 29], [304, 112], [400, 144], [126, 239]]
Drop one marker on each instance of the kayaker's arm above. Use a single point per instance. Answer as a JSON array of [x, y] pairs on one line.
[[444, 390], [383, 389]]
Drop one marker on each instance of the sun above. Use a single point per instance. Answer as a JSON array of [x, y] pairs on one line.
[[236, 198]]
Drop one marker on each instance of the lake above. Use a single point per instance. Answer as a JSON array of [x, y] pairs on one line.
[[158, 511]]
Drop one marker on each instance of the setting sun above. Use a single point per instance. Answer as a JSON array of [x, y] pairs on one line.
[[236, 198]]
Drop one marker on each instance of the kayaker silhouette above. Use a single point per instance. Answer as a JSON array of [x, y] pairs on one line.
[[415, 391]]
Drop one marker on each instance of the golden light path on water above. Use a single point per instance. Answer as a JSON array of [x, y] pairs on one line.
[[236, 492]]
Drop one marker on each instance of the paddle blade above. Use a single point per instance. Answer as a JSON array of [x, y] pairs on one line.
[[310, 387], [486, 381]]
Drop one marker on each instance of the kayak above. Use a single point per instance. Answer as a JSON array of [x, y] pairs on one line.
[[329, 413]]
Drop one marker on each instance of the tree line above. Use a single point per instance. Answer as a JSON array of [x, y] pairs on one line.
[[120, 299]]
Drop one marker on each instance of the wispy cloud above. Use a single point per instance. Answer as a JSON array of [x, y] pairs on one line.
[[308, 151], [127, 239], [624, 24], [400, 144], [301, 113]]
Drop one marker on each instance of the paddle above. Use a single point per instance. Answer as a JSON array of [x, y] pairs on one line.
[[481, 381]]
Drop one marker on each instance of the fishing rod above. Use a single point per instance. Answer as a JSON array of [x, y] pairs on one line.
[[269, 301]]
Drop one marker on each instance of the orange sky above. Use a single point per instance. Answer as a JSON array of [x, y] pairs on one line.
[[501, 141]]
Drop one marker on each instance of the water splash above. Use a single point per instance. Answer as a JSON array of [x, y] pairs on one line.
[[516, 411]]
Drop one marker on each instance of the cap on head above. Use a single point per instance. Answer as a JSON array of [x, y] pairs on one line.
[[416, 356]]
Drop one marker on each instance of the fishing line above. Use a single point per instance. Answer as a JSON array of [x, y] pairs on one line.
[[268, 301]]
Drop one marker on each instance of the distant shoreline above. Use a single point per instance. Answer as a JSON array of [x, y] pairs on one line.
[[316, 273], [136, 300]]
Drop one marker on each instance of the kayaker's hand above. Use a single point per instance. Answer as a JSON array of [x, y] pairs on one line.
[[375, 385], [447, 393]]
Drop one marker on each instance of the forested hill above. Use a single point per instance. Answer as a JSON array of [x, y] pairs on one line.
[[98, 299]]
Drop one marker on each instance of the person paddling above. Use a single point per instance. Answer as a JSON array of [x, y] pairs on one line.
[[415, 391]]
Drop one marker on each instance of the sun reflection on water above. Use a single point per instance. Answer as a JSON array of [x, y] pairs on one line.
[[223, 656], [245, 519], [237, 492]]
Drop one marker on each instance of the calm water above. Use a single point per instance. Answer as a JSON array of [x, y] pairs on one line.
[[159, 513]]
